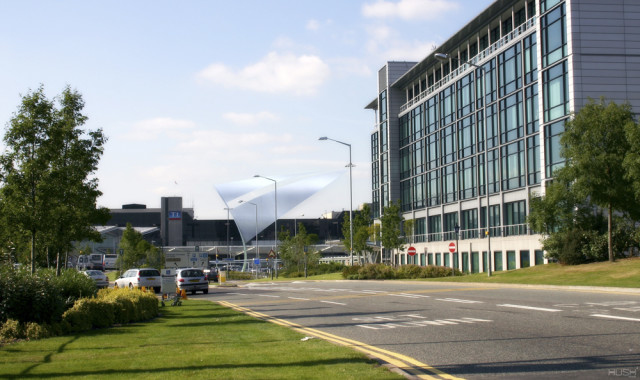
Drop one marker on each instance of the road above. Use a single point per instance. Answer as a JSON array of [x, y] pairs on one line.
[[452, 330]]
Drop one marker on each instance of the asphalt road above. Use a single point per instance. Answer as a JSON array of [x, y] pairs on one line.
[[445, 330]]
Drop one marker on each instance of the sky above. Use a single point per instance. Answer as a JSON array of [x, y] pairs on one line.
[[193, 94]]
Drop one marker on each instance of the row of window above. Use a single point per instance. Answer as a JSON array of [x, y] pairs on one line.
[[471, 260]]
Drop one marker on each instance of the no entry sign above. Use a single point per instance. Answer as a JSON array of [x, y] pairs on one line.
[[452, 247], [411, 251]]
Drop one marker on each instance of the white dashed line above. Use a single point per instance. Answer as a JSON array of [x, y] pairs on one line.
[[296, 298], [529, 307], [334, 303], [457, 300], [615, 317]]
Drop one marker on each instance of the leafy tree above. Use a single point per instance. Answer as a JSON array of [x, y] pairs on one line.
[[391, 220], [595, 145], [294, 251], [137, 251], [47, 193], [361, 231]]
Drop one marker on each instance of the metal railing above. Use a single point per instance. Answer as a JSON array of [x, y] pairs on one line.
[[475, 233]]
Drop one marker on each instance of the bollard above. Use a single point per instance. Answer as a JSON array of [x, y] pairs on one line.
[[183, 294]]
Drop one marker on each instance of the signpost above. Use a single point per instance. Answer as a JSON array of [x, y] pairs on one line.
[[452, 247]]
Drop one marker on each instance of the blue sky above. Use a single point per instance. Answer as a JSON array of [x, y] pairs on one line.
[[192, 94]]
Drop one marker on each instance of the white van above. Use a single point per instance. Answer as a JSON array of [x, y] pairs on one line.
[[109, 261]]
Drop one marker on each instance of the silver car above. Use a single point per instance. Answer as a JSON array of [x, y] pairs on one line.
[[137, 278], [101, 279], [192, 280]]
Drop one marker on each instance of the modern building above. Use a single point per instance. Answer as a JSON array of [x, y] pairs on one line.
[[476, 124]]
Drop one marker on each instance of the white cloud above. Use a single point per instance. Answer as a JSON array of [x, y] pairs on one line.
[[275, 73], [313, 25], [409, 9], [151, 129], [250, 118]]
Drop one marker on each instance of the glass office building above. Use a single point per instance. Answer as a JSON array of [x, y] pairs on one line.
[[463, 138]]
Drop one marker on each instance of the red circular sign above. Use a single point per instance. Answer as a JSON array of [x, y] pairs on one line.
[[452, 247], [411, 251]]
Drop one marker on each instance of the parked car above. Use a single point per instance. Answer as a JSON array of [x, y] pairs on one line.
[[137, 278], [101, 279], [212, 274], [192, 280]]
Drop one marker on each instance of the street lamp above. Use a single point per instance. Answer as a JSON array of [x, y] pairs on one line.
[[445, 57], [350, 195], [257, 256], [453, 265], [228, 245], [275, 192]]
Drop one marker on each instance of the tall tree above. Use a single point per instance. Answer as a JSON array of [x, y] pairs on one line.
[[595, 145], [361, 231], [390, 221], [137, 251], [47, 189]]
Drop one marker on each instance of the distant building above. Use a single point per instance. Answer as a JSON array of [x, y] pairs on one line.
[[484, 112]]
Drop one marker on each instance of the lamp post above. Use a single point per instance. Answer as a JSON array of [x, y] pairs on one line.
[[350, 196], [445, 57], [256, 206], [228, 245], [453, 261], [275, 192]]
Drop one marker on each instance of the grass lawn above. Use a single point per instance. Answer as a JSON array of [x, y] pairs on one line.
[[200, 340], [621, 273]]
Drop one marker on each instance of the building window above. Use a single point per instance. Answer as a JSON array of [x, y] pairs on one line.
[[418, 158], [448, 105], [416, 121], [405, 162], [433, 188], [510, 70], [469, 226], [492, 124], [433, 151], [435, 228], [448, 144], [494, 171], [385, 168], [383, 105], [468, 178], [545, 5], [473, 49], [417, 184], [515, 218], [405, 129], [553, 158], [484, 42], [513, 166], [511, 118], [465, 96], [494, 219], [490, 83], [466, 137], [530, 59], [405, 195], [449, 183], [532, 109], [450, 222], [533, 159], [420, 229], [374, 146], [431, 114], [384, 141], [375, 203], [553, 37], [556, 92], [375, 174]]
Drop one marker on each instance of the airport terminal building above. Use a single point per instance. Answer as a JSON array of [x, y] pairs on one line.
[[473, 130]]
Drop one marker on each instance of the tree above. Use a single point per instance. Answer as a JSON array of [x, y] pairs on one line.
[[390, 221], [294, 251], [361, 231], [595, 145], [45, 171], [136, 251]]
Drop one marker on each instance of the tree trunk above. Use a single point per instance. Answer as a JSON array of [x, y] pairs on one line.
[[33, 252], [610, 228]]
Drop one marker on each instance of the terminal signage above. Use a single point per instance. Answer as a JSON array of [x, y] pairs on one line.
[[175, 215]]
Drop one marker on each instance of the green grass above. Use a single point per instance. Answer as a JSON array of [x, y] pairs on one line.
[[621, 273], [197, 340]]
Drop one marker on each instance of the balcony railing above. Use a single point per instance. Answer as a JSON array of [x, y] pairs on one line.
[[521, 29], [498, 231]]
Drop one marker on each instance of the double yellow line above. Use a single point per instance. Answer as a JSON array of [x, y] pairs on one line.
[[402, 362]]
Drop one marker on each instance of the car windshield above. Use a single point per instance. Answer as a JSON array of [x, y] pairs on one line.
[[192, 273], [93, 272], [149, 272]]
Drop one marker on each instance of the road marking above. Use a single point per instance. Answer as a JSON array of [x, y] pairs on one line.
[[403, 362], [457, 300], [335, 303], [421, 323], [529, 307], [296, 298], [409, 295], [633, 309], [268, 295], [615, 317]]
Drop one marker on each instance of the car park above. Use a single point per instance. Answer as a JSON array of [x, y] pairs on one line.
[[138, 278], [101, 279], [192, 280]]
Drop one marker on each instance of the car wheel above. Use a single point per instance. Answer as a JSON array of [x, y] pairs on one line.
[[206, 291], [157, 289], [130, 286], [115, 285], [193, 292]]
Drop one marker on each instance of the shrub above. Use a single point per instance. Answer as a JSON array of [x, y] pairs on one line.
[[11, 330], [385, 272], [33, 331]]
